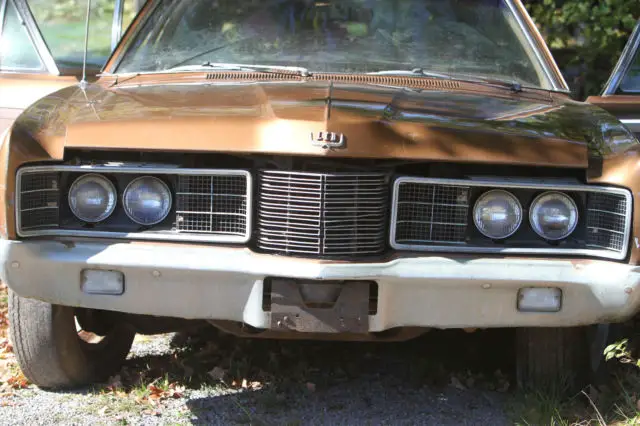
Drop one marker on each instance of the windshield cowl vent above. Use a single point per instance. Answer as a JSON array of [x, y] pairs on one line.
[[418, 82], [421, 82]]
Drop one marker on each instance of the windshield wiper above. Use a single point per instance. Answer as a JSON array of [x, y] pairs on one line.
[[514, 86], [303, 72], [415, 71]]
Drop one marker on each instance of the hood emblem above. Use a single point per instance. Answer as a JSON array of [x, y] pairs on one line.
[[328, 140]]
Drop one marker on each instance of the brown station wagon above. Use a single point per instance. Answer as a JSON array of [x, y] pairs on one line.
[[349, 169]]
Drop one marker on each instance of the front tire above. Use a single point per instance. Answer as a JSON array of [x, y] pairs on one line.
[[50, 350], [552, 358]]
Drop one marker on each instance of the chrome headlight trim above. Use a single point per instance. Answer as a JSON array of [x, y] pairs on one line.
[[138, 170], [542, 185]]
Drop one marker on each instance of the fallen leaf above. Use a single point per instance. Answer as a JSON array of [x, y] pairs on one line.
[[255, 385]]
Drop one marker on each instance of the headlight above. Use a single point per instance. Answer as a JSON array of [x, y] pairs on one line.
[[553, 215], [92, 198], [497, 214], [147, 200]]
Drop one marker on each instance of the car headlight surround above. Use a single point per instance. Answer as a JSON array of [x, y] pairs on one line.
[[147, 200], [553, 215], [497, 214], [92, 198]]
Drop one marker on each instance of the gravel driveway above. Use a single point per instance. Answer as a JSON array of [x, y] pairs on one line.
[[443, 378]]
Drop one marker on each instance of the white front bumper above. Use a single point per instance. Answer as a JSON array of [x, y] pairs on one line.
[[225, 283]]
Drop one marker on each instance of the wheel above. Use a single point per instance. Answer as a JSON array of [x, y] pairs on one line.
[[54, 353], [552, 358]]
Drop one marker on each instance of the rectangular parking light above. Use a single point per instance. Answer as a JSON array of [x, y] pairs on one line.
[[98, 281], [538, 299]]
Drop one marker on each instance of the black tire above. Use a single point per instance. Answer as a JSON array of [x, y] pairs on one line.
[[552, 359], [50, 352]]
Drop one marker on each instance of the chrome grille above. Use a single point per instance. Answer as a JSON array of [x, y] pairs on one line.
[[212, 204], [38, 201], [429, 213], [606, 219], [330, 214]]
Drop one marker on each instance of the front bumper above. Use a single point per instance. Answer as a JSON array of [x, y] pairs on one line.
[[222, 283]]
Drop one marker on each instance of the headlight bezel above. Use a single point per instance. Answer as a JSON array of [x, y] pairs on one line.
[[533, 222], [169, 197], [111, 189], [489, 193]]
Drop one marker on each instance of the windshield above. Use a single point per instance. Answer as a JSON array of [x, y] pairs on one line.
[[478, 38]]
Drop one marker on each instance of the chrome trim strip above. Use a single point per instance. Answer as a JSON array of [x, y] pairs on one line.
[[632, 123], [116, 24], [626, 58], [36, 36], [130, 39], [492, 183], [3, 7], [554, 76], [157, 236]]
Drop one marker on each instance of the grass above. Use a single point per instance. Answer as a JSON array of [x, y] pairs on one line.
[[616, 401]]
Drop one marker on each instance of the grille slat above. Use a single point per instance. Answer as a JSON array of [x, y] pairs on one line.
[[39, 195], [326, 214], [432, 213], [606, 221], [212, 204]]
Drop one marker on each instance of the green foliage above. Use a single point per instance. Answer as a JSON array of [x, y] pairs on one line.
[[586, 34], [620, 351]]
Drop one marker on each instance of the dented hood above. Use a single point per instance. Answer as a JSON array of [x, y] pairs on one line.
[[490, 126]]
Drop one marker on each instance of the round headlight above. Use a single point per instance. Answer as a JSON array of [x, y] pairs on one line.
[[497, 214], [147, 200], [553, 215], [92, 198]]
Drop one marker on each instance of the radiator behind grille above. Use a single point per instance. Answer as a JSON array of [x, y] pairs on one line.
[[331, 214]]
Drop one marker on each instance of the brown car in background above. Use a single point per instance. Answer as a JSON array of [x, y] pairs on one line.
[[319, 170], [34, 64], [621, 96]]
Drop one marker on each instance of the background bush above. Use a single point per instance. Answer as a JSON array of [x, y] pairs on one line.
[[586, 37]]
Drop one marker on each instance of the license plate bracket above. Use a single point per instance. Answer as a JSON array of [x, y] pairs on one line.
[[348, 314]]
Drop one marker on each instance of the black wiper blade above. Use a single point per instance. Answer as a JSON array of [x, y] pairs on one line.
[[303, 72], [514, 86], [412, 72]]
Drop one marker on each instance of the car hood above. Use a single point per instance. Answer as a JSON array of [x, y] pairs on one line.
[[469, 125]]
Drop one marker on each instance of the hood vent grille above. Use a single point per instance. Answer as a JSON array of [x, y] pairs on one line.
[[425, 83]]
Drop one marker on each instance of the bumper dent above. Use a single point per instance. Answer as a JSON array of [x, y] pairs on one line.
[[222, 283]]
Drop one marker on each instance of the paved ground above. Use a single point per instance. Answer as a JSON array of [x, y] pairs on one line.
[[443, 378]]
